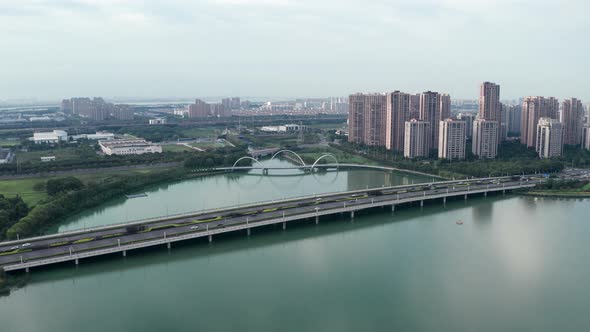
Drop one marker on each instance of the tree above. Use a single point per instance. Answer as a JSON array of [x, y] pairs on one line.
[[57, 186]]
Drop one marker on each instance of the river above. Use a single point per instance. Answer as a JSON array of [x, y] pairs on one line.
[[517, 263]]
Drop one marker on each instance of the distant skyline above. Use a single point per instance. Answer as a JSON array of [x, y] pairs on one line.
[[53, 49]]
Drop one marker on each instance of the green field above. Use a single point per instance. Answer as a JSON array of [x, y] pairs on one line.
[[67, 153], [208, 145], [200, 132], [8, 143], [24, 187], [176, 148]]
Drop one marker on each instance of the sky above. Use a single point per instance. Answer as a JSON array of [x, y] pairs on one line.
[[293, 48]]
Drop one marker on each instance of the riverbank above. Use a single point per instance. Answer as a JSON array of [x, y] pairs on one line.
[[9, 282], [557, 194]]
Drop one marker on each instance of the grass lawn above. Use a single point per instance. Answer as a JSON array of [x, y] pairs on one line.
[[8, 143], [200, 132], [67, 153], [24, 187], [176, 148], [208, 145]]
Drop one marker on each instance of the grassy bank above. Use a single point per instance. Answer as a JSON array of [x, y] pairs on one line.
[[32, 191]]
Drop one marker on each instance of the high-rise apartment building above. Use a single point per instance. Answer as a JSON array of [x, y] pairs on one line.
[[549, 141], [414, 106], [489, 102], [417, 139], [451, 143], [367, 119], [572, 117], [398, 112], [513, 119], [534, 108], [490, 107], [66, 106], [468, 118], [434, 107], [199, 109], [586, 136], [485, 138]]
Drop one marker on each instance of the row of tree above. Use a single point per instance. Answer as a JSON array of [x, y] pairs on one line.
[[11, 210]]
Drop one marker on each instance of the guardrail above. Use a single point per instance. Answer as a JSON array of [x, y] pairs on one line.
[[258, 223]]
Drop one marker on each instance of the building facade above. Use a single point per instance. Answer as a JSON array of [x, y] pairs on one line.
[[52, 137], [468, 118], [549, 141], [485, 138], [199, 109], [417, 139], [572, 117], [451, 144], [533, 108], [398, 112], [128, 146], [367, 119], [431, 112]]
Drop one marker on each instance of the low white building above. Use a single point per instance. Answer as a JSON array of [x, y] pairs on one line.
[[157, 121], [52, 137], [128, 146], [288, 128], [100, 135]]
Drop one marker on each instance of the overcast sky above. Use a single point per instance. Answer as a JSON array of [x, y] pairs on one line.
[[157, 48]]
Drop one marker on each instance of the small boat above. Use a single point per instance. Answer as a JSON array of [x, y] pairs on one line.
[[459, 222], [136, 195]]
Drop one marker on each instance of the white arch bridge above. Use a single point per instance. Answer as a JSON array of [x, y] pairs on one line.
[[297, 158]]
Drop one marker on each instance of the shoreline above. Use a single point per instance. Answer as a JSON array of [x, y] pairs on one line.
[[556, 194]]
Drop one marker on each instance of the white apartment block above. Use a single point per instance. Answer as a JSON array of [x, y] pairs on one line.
[[417, 139], [128, 146], [550, 135], [485, 138], [451, 142]]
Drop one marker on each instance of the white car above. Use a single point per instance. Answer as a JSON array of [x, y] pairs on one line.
[[14, 248], [26, 245], [194, 227]]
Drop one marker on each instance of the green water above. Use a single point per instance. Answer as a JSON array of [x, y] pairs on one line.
[[517, 264]]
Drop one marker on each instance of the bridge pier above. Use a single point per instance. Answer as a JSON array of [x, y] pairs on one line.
[[124, 253], [26, 269], [169, 245], [465, 196], [76, 261], [248, 231], [317, 220], [444, 200], [392, 207], [485, 194], [504, 192], [351, 214], [210, 238], [284, 225], [265, 171], [421, 203]]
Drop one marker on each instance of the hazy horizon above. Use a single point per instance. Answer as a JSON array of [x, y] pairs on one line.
[[54, 49]]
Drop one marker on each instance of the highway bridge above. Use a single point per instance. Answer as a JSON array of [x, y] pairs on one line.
[[74, 246]]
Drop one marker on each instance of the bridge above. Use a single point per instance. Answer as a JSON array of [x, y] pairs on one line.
[[73, 246], [301, 165]]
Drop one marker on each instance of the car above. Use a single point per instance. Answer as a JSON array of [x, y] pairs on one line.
[[194, 227], [14, 248], [26, 245]]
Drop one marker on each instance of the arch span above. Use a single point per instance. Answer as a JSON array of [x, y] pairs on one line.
[[327, 155], [243, 158], [289, 151]]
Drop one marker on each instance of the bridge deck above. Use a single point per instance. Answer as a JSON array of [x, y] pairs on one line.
[[73, 246]]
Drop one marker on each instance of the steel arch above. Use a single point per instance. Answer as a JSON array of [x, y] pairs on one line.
[[296, 155], [322, 157], [246, 157]]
